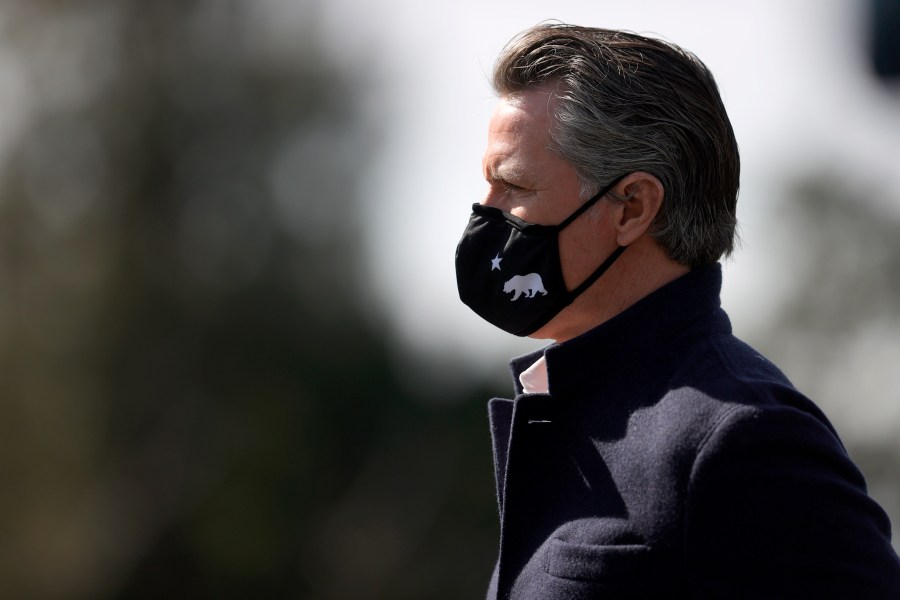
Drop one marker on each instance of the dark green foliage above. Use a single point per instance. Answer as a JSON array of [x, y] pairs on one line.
[[197, 402]]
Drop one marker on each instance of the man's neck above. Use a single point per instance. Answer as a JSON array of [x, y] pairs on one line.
[[640, 271]]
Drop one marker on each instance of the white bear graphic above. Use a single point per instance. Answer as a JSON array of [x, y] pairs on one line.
[[529, 285]]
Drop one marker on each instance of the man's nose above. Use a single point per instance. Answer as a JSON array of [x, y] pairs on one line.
[[497, 198]]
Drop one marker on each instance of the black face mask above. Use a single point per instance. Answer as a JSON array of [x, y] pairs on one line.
[[508, 271]]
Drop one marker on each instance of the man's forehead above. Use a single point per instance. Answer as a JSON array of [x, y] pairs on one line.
[[519, 131], [542, 97], [509, 151], [536, 104]]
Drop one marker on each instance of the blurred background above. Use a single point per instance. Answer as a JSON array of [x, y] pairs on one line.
[[233, 363]]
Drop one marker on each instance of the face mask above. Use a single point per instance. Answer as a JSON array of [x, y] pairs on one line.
[[508, 271]]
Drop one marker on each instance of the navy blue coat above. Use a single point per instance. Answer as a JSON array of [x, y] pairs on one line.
[[671, 460]]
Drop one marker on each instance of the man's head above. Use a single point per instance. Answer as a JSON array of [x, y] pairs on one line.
[[624, 103]]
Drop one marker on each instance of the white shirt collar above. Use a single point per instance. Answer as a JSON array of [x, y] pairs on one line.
[[534, 378]]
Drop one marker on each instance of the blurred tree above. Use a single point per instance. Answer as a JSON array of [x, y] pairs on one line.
[[197, 402], [838, 333], [884, 38]]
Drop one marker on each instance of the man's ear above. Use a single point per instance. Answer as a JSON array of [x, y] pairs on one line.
[[643, 198]]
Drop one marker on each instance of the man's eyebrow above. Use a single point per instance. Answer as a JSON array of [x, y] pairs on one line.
[[504, 172]]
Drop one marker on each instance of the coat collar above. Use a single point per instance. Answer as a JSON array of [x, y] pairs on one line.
[[689, 303]]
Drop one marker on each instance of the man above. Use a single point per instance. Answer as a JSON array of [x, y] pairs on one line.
[[648, 452]]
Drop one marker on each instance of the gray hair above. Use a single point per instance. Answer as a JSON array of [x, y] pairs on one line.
[[631, 103]]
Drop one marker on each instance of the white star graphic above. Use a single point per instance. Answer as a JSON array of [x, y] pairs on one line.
[[495, 262]]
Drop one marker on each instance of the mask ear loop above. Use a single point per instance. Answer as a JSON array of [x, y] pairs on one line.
[[610, 259], [593, 200], [596, 274]]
